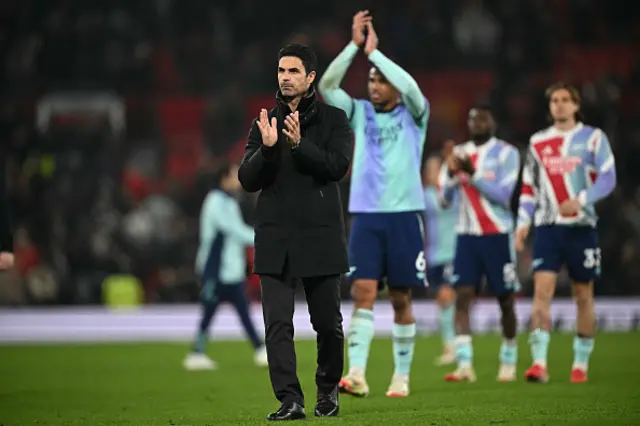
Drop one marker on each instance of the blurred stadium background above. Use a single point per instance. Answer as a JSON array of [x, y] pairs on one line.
[[115, 113]]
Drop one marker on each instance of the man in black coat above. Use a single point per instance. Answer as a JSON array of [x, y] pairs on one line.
[[296, 154]]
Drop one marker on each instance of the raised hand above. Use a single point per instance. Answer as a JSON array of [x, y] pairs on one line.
[[269, 131], [292, 131], [453, 162], [360, 20], [372, 39]]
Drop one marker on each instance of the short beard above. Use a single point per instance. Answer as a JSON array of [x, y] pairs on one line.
[[481, 137], [289, 98]]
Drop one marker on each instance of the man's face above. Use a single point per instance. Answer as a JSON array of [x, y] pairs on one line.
[[293, 78], [562, 106], [381, 92], [480, 123]]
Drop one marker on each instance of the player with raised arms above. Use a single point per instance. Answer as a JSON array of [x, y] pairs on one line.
[[569, 168], [386, 200], [483, 172]]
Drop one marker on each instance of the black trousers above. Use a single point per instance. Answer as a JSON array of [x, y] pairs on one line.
[[323, 300]]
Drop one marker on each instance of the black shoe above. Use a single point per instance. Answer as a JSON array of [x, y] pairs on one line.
[[292, 411], [327, 405]]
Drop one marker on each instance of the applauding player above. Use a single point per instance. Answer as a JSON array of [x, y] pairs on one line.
[[387, 201], [484, 172], [569, 168]]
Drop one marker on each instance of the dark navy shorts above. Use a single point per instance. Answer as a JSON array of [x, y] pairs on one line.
[[388, 245], [573, 246], [438, 275], [485, 256]]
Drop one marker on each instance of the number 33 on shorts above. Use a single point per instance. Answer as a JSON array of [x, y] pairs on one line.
[[592, 258], [421, 266]]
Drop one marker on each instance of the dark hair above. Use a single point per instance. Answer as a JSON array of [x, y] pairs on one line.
[[220, 173], [573, 93], [304, 53], [483, 107]]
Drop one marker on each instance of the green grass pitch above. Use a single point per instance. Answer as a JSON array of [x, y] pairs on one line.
[[144, 384]]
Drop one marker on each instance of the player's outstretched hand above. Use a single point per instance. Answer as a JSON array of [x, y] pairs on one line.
[[570, 208], [360, 20], [372, 39], [6, 260], [269, 131], [521, 237]]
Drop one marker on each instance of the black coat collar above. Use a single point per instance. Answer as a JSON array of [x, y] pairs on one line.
[[307, 108]]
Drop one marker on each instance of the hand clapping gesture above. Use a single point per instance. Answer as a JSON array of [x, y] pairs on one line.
[[269, 131], [292, 132], [360, 20]]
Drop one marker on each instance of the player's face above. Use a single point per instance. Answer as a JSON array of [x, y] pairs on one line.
[[293, 78], [562, 106], [232, 183], [481, 124], [381, 92]]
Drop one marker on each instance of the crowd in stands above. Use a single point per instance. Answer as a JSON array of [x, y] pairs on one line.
[[90, 202]]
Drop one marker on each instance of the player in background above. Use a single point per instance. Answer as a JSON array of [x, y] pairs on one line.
[[439, 252], [387, 201], [221, 263], [483, 172], [569, 168]]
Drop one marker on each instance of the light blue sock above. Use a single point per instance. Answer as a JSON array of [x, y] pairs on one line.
[[539, 342], [582, 348], [404, 339], [509, 352], [447, 326], [464, 351], [200, 344], [359, 338]]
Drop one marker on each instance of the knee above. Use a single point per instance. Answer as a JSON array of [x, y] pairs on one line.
[[401, 303], [446, 296], [507, 304], [364, 293], [328, 325], [464, 297], [583, 295]]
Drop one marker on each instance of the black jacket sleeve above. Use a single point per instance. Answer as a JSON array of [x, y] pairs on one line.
[[333, 163], [6, 236], [258, 165]]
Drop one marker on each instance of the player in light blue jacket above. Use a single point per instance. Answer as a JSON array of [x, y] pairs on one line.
[[221, 265], [440, 243]]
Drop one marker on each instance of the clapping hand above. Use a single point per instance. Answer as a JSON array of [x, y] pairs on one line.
[[466, 165], [269, 131], [360, 20], [292, 131], [372, 39]]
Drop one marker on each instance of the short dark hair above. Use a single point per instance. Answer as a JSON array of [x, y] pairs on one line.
[[574, 93], [304, 53], [221, 172], [483, 107]]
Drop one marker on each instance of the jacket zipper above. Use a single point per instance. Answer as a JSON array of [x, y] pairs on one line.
[[321, 194]]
